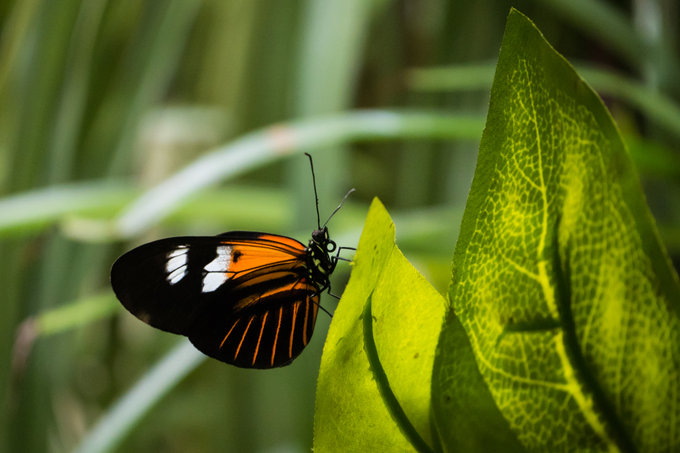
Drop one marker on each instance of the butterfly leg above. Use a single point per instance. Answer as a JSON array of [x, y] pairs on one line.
[[320, 291], [337, 256], [327, 288], [326, 311]]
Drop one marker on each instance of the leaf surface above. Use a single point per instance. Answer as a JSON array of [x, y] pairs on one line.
[[373, 392], [560, 281]]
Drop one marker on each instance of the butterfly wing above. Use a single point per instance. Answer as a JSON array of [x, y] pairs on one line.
[[241, 297]]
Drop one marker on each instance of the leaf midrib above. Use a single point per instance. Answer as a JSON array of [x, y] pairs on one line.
[[566, 344], [558, 301], [574, 364], [388, 396]]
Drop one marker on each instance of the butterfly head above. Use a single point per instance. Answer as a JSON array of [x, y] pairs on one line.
[[322, 240]]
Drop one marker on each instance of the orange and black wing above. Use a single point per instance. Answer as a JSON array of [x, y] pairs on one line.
[[243, 298]]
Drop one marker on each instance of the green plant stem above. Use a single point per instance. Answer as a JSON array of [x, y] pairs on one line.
[[655, 106], [79, 313], [125, 414], [276, 142], [33, 209], [609, 25], [476, 76]]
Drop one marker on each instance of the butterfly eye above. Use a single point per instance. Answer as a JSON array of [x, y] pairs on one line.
[[330, 247]]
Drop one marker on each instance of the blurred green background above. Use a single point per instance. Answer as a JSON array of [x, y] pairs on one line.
[[103, 100]]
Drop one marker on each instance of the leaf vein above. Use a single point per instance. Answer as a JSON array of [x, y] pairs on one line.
[[513, 377], [521, 269], [524, 175]]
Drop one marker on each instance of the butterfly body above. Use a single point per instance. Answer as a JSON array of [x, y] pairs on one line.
[[319, 261], [246, 298]]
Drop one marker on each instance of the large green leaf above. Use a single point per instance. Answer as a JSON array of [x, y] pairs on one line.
[[373, 392], [568, 299]]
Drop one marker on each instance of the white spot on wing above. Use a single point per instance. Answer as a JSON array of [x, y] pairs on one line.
[[216, 270], [176, 264]]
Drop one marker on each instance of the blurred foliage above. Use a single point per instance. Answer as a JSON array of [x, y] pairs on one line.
[[102, 100]]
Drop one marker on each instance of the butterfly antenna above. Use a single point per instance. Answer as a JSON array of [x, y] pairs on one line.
[[339, 206], [316, 195]]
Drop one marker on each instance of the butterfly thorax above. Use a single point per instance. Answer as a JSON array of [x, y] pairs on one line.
[[320, 263]]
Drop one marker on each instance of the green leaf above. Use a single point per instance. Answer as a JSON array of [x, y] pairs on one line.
[[559, 279], [373, 391], [465, 414]]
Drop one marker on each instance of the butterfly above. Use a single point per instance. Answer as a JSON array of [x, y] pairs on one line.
[[245, 298]]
